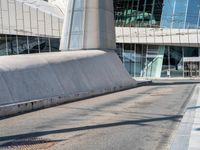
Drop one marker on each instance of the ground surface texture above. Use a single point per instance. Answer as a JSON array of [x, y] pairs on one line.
[[142, 118]]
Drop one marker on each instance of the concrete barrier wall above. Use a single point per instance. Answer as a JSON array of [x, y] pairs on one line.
[[52, 78]]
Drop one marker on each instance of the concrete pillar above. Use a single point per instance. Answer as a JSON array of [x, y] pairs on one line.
[[88, 24]]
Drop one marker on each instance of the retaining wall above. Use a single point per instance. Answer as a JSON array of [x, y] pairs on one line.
[[29, 82]]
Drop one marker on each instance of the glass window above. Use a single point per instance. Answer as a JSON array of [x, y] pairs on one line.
[[27, 44], [12, 45], [178, 19], [128, 57], [140, 13], [44, 44], [22, 45], [33, 44], [191, 68], [2, 45], [140, 60], [157, 11], [176, 62], [167, 13], [191, 52], [193, 14], [173, 62], [166, 63], [55, 43]]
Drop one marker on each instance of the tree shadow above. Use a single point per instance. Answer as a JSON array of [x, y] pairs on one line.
[[140, 122]]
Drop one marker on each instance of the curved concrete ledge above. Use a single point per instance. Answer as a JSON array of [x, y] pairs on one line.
[[30, 82]]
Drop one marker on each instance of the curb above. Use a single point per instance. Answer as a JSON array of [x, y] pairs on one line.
[[144, 83], [25, 107], [33, 105]]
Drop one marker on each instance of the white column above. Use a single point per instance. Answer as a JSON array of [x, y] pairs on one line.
[[88, 24]]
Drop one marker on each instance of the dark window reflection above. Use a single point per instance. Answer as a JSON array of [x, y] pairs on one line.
[[134, 13], [22, 45], [44, 45], [3, 45], [34, 45], [13, 44], [55, 43]]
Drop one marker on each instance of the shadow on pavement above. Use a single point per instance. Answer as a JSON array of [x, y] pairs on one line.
[[195, 107], [173, 83], [197, 129], [140, 122]]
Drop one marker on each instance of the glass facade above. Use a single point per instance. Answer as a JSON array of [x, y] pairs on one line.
[[157, 61], [150, 60], [157, 13], [173, 61], [138, 13], [13, 44], [180, 14], [193, 14], [140, 59], [29, 27]]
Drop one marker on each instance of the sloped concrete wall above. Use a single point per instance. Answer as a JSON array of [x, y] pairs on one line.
[[62, 75]]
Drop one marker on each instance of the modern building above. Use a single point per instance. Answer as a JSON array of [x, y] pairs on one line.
[[29, 26], [155, 38], [158, 38]]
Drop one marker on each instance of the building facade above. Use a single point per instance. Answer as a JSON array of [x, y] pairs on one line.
[[31, 26], [154, 38], [158, 38]]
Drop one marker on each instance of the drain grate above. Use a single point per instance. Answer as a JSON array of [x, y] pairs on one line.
[[29, 144]]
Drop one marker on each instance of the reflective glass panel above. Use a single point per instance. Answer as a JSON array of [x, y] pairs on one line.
[[55, 43], [33, 44], [193, 14], [137, 13], [22, 45], [2, 45], [12, 44]]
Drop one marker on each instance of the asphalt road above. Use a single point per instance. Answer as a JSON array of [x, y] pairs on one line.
[[143, 118]]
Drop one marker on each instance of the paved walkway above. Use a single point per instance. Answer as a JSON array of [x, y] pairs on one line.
[[142, 118], [188, 133]]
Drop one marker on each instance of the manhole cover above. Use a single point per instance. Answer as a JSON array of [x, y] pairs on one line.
[[29, 144]]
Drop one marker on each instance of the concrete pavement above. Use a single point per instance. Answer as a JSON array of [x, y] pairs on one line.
[[141, 118]]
